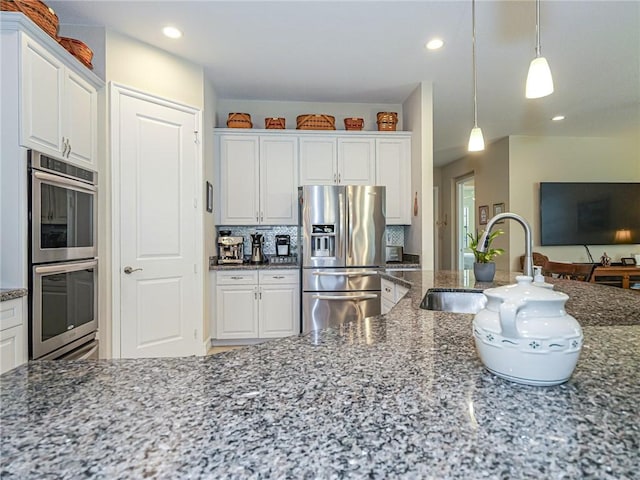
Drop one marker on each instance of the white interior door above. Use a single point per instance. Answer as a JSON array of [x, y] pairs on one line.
[[159, 314]]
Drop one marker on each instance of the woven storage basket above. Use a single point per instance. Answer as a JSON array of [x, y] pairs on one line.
[[314, 121], [353, 123], [37, 11], [239, 120], [387, 121], [78, 49], [274, 122], [8, 6]]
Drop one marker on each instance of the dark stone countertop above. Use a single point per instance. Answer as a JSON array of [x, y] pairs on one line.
[[11, 293], [401, 395]]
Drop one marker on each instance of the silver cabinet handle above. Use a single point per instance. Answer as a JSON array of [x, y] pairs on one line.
[[277, 277], [339, 178], [257, 217], [261, 216], [236, 278], [335, 178], [69, 148], [128, 270]]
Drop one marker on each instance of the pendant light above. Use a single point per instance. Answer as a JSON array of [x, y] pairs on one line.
[[476, 140], [539, 81]]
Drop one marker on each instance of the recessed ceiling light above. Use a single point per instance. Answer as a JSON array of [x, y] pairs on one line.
[[558, 118], [435, 44], [172, 32]]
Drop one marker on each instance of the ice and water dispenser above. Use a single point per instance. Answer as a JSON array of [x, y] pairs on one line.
[[323, 241]]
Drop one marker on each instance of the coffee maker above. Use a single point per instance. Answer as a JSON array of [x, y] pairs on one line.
[[230, 249], [283, 245], [257, 241]]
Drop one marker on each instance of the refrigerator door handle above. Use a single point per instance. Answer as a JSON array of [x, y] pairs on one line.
[[344, 274], [349, 222], [343, 298]]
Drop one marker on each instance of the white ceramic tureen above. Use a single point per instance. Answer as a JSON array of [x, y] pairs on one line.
[[525, 335]]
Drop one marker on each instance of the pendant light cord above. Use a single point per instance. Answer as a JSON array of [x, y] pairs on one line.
[[475, 80], [538, 47]]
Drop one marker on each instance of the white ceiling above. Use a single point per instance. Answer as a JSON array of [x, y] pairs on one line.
[[373, 52]]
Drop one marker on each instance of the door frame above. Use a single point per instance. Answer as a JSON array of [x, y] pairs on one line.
[[458, 206], [115, 92]]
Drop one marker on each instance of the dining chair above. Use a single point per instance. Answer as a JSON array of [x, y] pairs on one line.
[[570, 271]]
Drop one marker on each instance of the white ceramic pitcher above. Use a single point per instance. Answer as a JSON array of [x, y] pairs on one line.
[[525, 335]]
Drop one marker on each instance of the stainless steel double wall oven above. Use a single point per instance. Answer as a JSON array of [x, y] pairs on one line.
[[63, 263]]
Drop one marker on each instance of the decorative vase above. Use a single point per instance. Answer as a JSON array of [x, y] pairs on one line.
[[484, 272]]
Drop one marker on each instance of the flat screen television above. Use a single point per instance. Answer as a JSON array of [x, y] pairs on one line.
[[574, 213]]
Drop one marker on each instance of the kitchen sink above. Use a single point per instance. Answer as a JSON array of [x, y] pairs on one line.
[[456, 301]]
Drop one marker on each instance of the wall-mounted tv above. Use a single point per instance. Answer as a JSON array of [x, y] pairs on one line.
[[574, 213]]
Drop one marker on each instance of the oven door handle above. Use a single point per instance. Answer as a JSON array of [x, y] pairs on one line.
[[66, 267], [65, 182]]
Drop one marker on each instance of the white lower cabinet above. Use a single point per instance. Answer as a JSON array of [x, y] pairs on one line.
[[256, 304], [13, 334], [391, 294]]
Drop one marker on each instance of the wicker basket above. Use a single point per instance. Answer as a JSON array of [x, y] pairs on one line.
[[387, 121], [8, 6], [239, 120], [37, 11], [353, 123], [274, 122], [315, 121], [78, 49]]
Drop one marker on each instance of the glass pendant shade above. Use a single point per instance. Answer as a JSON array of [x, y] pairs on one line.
[[539, 81], [476, 140]]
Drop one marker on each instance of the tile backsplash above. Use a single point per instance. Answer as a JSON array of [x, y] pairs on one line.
[[394, 236]]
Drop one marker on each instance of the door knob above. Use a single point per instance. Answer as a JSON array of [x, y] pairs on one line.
[[129, 270]]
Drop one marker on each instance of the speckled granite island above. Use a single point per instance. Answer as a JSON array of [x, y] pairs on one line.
[[397, 396]]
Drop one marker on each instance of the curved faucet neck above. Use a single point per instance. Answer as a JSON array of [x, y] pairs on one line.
[[528, 240]]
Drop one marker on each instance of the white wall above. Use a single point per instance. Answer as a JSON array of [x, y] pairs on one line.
[[566, 159], [418, 118], [209, 239], [259, 110], [490, 170], [154, 71]]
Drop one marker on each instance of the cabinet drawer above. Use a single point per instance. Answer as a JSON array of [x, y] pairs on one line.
[[268, 277], [10, 313], [237, 277], [388, 290]]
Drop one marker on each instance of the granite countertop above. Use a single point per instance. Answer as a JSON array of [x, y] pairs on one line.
[[11, 293], [401, 395]]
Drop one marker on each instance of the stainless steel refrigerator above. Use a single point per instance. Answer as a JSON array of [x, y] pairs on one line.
[[342, 241]]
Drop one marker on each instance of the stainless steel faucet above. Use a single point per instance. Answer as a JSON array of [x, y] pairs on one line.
[[528, 241]]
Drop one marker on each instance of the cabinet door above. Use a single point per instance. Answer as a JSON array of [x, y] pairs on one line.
[[318, 161], [393, 168], [279, 310], [356, 161], [13, 335], [41, 97], [239, 180], [236, 311], [278, 181], [81, 114]]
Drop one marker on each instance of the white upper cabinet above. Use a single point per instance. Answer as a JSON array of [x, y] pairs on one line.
[[59, 109], [278, 180], [259, 172], [328, 160], [239, 180], [393, 168], [258, 180]]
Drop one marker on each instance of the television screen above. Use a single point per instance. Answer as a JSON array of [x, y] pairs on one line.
[[589, 213]]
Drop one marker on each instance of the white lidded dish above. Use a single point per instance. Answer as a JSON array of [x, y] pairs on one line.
[[525, 335]]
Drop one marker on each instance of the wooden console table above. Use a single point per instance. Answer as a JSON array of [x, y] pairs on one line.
[[624, 274]]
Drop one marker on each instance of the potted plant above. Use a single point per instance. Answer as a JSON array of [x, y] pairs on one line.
[[484, 268]]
